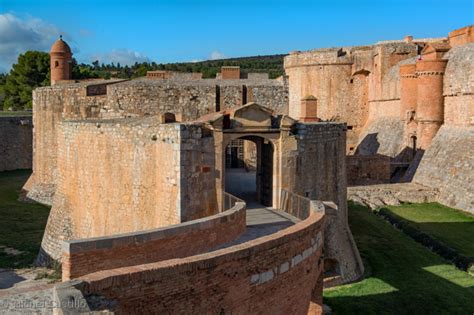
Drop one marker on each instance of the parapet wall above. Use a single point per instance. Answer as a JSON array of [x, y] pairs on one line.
[[85, 256], [16, 143], [278, 273]]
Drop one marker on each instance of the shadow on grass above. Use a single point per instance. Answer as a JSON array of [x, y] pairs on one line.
[[405, 277], [415, 231], [21, 224]]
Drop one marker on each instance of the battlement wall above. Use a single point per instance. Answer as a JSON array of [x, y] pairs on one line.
[[85, 256], [16, 143]]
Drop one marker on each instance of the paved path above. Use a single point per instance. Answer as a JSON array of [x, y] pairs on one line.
[[261, 220]]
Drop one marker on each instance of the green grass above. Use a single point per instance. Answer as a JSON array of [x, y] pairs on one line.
[[403, 277], [21, 224], [446, 225], [15, 113]]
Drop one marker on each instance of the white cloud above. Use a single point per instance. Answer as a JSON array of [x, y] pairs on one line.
[[122, 56], [216, 55], [18, 35]]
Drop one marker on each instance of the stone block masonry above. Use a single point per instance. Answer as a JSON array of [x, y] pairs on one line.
[[16, 134], [125, 175], [447, 165]]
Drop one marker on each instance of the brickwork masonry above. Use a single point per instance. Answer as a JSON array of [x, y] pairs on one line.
[[278, 273], [85, 256]]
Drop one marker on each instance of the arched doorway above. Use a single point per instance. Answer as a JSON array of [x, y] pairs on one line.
[[249, 170]]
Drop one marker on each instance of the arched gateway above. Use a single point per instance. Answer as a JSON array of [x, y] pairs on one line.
[[255, 124]]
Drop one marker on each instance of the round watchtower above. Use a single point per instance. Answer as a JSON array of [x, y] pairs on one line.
[[61, 61]]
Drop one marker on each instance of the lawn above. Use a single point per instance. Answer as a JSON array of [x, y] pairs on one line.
[[21, 224], [446, 225], [403, 277]]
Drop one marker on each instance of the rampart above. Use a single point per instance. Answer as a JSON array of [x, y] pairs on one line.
[[187, 99], [281, 272], [81, 100], [125, 175], [85, 256], [16, 143]]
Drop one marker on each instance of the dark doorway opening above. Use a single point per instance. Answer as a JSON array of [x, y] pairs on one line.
[[249, 170]]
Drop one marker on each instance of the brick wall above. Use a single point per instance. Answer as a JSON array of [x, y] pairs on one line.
[[278, 273], [86, 256], [15, 143]]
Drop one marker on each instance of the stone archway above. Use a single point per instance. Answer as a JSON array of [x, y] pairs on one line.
[[249, 175], [255, 123]]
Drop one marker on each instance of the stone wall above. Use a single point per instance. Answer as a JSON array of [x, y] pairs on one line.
[[16, 143], [125, 175], [278, 273], [448, 164], [85, 256], [458, 87], [368, 169], [49, 106], [314, 166], [152, 97], [384, 136], [191, 99]]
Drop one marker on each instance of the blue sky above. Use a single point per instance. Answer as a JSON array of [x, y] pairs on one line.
[[169, 31]]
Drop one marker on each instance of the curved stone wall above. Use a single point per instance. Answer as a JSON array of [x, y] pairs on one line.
[[81, 257], [126, 175], [278, 273]]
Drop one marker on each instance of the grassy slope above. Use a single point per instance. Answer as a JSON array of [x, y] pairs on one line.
[[449, 226], [404, 277], [21, 224]]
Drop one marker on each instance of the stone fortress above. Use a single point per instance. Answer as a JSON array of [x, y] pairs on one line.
[[151, 208], [409, 108]]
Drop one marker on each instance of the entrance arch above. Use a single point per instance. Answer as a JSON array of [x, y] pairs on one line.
[[249, 169]]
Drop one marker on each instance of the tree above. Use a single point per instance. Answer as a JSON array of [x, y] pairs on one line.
[[3, 79], [31, 71]]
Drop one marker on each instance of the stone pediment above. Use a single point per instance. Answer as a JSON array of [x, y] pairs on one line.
[[249, 116], [252, 116]]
